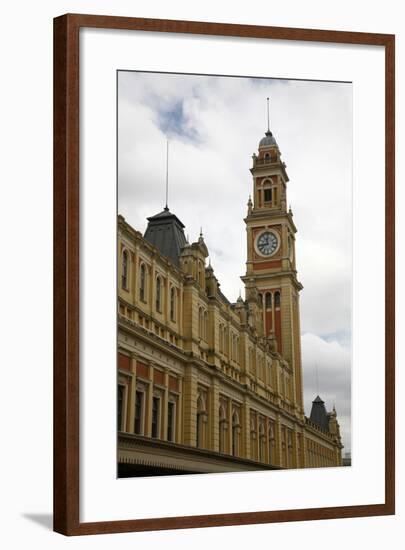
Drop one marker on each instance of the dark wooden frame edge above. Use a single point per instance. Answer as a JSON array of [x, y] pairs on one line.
[[66, 273]]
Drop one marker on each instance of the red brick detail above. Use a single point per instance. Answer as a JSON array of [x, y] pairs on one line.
[[173, 383], [124, 362], [142, 370], [267, 265], [158, 377]]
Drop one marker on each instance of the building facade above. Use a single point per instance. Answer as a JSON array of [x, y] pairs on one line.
[[206, 385]]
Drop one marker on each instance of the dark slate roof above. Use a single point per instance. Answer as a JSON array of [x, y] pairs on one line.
[[319, 415], [267, 140], [166, 232]]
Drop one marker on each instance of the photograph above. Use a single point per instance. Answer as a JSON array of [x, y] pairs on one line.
[[234, 273]]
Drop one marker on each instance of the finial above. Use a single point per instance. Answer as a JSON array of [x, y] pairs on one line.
[[250, 205], [268, 115], [187, 239], [167, 175], [201, 233]]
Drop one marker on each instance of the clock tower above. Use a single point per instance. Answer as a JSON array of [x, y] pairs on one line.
[[271, 276]]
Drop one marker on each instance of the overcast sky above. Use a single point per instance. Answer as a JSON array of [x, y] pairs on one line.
[[214, 125]]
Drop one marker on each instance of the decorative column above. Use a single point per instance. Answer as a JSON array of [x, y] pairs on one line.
[[190, 406], [229, 415], [296, 449], [304, 450], [214, 415], [279, 460], [132, 397], [179, 413], [246, 427], [149, 402], [165, 401]]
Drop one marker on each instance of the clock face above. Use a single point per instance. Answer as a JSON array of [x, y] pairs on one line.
[[267, 243]]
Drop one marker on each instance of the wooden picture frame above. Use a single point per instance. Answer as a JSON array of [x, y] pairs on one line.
[[67, 283]]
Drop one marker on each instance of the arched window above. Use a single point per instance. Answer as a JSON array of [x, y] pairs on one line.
[[158, 294], [201, 422], [253, 439], [222, 429], [124, 269], [235, 434], [200, 322], [261, 441], [268, 300], [221, 338], [268, 194], [271, 444], [142, 283], [173, 304], [251, 361], [277, 299]]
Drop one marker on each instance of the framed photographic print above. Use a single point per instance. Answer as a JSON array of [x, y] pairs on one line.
[[224, 274]]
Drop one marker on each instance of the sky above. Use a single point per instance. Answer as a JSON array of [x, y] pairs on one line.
[[214, 125]]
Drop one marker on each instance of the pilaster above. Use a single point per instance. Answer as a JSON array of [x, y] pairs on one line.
[[190, 406]]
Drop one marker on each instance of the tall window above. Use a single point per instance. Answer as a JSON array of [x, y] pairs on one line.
[[173, 304], [268, 195], [201, 421], [138, 412], [120, 406], [222, 428], [261, 442], [142, 283], [158, 294], [268, 300], [271, 444], [277, 299], [124, 269], [235, 434], [205, 325], [170, 421], [155, 416], [253, 440], [221, 338], [200, 322]]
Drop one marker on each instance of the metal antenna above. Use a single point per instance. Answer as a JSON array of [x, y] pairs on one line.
[[167, 175], [268, 116]]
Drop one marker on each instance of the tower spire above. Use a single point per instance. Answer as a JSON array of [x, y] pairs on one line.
[[167, 175]]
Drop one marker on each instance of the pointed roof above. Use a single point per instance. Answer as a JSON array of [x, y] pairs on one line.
[[166, 232], [319, 415]]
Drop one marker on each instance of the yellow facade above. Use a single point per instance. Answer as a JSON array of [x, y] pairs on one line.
[[207, 385]]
